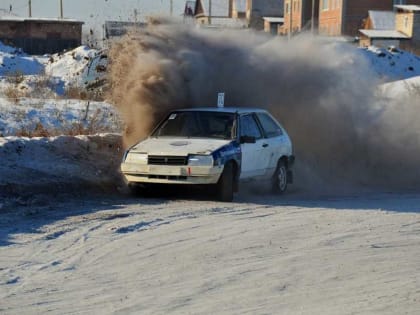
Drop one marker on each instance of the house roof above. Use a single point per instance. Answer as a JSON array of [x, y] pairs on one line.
[[384, 34], [273, 19], [39, 20], [382, 20], [412, 7]]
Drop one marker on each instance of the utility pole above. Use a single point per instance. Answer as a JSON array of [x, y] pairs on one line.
[[172, 8], [290, 19], [313, 18], [30, 8], [61, 8], [210, 12]]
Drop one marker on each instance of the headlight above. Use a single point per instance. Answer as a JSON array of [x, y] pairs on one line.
[[200, 160], [139, 158]]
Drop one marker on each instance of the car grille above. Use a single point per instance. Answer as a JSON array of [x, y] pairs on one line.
[[167, 160]]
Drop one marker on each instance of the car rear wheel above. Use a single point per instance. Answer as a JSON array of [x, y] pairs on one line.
[[279, 181], [224, 187]]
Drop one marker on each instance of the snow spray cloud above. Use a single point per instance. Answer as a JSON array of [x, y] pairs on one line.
[[321, 92]]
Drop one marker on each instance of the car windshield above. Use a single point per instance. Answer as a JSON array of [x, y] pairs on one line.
[[197, 124]]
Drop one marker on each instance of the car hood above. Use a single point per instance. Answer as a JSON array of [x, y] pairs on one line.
[[178, 146]]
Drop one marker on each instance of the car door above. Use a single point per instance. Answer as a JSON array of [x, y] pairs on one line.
[[255, 156], [276, 139]]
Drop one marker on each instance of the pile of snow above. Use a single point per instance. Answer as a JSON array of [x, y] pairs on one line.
[[55, 164], [392, 63], [81, 67], [57, 116], [397, 89], [13, 60], [78, 67]]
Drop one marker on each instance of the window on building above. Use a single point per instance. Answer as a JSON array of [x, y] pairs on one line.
[[287, 8], [324, 4]]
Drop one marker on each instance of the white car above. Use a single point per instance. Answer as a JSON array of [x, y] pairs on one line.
[[212, 146]]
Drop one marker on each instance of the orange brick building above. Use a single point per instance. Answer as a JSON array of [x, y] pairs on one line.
[[298, 15], [345, 17]]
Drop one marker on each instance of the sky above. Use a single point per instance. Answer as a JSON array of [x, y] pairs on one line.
[[94, 12]]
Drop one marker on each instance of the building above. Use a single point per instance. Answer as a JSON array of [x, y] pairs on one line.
[[237, 13], [272, 24], [41, 36], [407, 21], [380, 30], [220, 13], [115, 29], [257, 10], [400, 28], [299, 15], [346, 17]]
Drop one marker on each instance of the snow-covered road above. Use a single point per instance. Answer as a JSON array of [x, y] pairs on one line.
[[259, 255]]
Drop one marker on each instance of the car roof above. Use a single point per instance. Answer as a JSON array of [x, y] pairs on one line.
[[239, 110]]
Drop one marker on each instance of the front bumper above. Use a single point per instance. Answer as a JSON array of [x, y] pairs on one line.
[[171, 174]]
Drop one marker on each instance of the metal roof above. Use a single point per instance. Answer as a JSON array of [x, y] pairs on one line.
[[382, 20], [42, 20], [273, 19], [408, 7], [384, 34]]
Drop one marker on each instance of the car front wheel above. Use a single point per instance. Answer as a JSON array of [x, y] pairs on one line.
[[224, 187], [279, 182]]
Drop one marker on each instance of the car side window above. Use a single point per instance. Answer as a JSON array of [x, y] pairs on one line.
[[249, 127], [271, 128]]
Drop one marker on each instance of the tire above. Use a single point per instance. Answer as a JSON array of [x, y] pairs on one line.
[[224, 187], [279, 181]]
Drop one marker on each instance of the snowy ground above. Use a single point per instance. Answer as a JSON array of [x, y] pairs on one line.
[[72, 241], [259, 255], [57, 116]]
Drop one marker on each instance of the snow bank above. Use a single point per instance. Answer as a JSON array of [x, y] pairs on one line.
[[402, 88], [392, 64], [76, 68], [57, 116], [55, 164], [13, 60]]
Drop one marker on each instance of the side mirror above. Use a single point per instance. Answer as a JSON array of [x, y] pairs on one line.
[[247, 139]]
